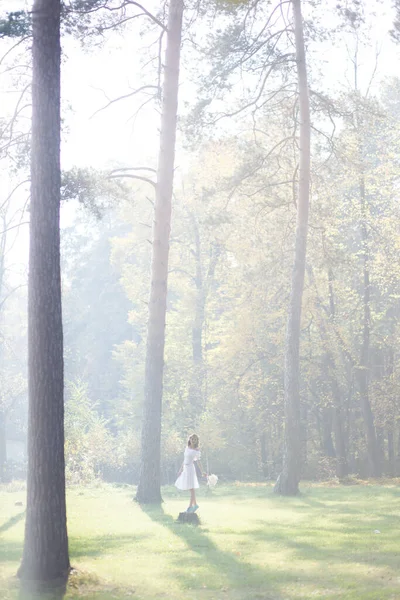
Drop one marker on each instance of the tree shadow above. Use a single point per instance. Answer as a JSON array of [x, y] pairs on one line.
[[12, 521], [10, 551], [33, 590], [223, 570], [97, 546], [345, 550]]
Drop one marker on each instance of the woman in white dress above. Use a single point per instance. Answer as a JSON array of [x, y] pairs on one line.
[[187, 479]]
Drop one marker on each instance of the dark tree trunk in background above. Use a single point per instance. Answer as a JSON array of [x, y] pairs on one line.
[[364, 366], [197, 385], [335, 417], [264, 454], [149, 484], [391, 427], [342, 467], [390, 443], [203, 281], [45, 556], [288, 480], [3, 447], [327, 427]]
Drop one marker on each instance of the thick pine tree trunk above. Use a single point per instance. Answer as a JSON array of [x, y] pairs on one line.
[[45, 556], [288, 480], [149, 484]]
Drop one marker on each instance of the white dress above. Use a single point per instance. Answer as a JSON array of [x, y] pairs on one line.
[[187, 480]]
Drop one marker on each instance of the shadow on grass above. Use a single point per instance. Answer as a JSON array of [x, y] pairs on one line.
[[42, 591], [12, 521], [358, 546], [10, 551], [100, 545], [220, 569]]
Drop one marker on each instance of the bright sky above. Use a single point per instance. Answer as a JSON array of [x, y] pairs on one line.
[[113, 136]]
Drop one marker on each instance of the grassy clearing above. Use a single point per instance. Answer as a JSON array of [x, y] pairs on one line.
[[251, 545]]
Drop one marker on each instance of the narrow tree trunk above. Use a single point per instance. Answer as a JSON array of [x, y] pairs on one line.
[[45, 557], [342, 468], [149, 484], [3, 446], [288, 480], [202, 282], [363, 371], [304, 433], [197, 384], [391, 429], [337, 410], [327, 427], [264, 454], [397, 458]]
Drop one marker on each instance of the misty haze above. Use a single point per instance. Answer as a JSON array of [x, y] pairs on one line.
[[199, 299]]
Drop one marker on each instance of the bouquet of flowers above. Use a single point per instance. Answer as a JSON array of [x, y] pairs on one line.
[[212, 480]]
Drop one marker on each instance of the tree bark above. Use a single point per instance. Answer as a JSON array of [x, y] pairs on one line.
[[327, 427], [45, 556], [3, 445], [197, 385], [264, 454], [391, 458], [288, 480], [363, 370], [149, 483], [342, 467], [202, 282]]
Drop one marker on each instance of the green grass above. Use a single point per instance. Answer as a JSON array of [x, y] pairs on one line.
[[251, 545]]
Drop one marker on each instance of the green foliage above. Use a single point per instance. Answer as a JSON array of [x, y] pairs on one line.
[[16, 25], [89, 446], [91, 188]]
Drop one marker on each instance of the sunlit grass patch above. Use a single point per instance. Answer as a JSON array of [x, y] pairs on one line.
[[331, 542]]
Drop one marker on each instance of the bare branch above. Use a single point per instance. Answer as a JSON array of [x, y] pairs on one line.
[[14, 227], [179, 270], [134, 169], [21, 41], [118, 23], [130, 95], [130, 176], [147, 13], [13, 191], [260, 92], [11, 293]]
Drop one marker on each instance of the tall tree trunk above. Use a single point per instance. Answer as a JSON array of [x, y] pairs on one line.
[[327, 426], [363, 371], [264, 454], [391, 455], [3, 445], [342, 468], [337, 411], [149, 483], [202, 282], [288, 480], [45, 556], [391, 426], [197, 384]]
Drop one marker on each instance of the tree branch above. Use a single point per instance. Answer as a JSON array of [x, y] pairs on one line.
[[124, 97], [130, 176]]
